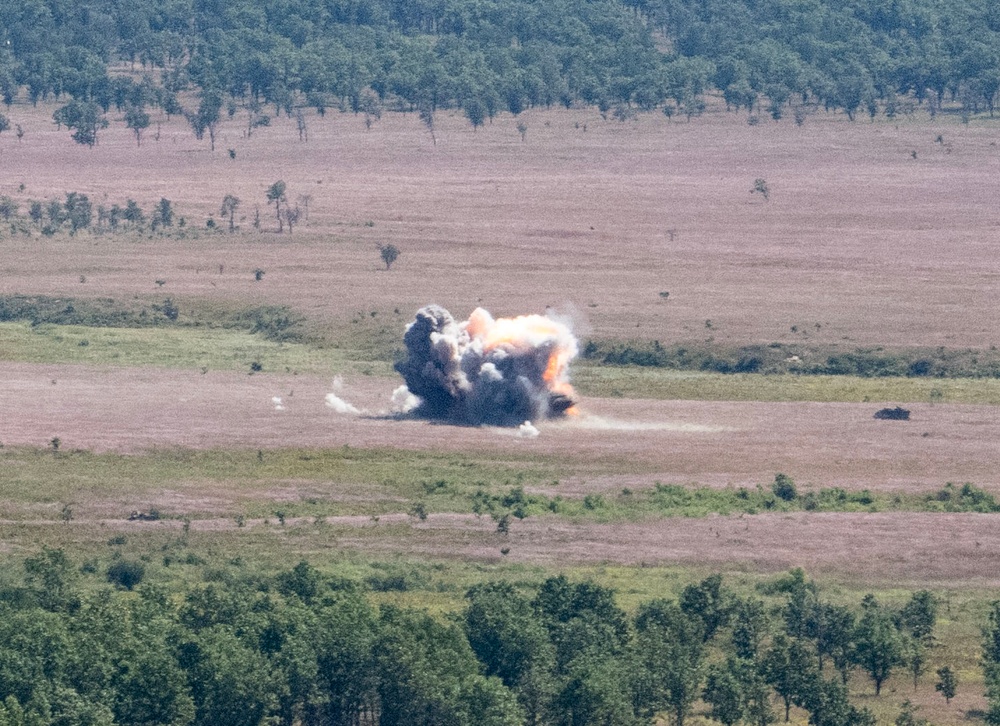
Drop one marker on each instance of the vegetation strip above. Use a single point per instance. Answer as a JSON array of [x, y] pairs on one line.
[[295, 483]]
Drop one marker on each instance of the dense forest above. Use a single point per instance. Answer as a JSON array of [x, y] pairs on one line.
[[488, 56], [301, 647]]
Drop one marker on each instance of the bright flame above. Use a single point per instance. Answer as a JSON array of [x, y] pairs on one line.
[[525, 332]]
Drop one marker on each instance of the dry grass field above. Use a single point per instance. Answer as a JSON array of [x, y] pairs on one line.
[[874, 234]]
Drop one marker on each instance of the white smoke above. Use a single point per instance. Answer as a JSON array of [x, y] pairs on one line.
[[527, 431], [403, 401], [337, 403]]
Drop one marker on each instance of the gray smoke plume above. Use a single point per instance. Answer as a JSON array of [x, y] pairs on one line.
[[500, 372]]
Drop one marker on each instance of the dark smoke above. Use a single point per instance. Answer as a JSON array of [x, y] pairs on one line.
[[484, 371]]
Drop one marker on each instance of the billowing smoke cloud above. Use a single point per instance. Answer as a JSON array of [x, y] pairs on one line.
[[337, 403], [500, 372]]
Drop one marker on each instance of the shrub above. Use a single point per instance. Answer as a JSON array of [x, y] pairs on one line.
[[126, 573], [784, 488], [893, 414]]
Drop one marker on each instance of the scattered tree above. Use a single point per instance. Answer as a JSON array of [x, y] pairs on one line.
[[137, 120], [427, 118], [878, 644], [230, 204], [163, 215], [276, 196], [84, 118], [947, 684], [389, 254]]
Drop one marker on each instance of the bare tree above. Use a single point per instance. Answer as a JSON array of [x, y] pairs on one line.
[[300, 124], [303, 200], [229, 206], [291, 215], [427, 116]]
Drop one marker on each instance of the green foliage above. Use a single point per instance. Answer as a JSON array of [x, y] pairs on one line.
[[784, 488], [799, 358], [879, 646], [138, 120], [967, 498], [947, 683], [83, 118], [672, 648], [126, 573]]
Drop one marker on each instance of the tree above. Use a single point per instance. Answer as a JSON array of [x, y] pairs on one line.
[[291, 215], [79, 211], [232, 684], [137, 120], [275, 196], [828, 705], [475, 111], [207, 117], [52, 578], [723, 694], [672, 648], [708, 602], [511, 641], [8, 208], [427, 675], [790, 668], [132, 214], [4, 123], [163, 216], [230, 204], [750, 625], [908, 716], [916, 659], [919, 615], [389, 254], [84, 118], [427, 118], [878, 645], [36, 212], [833, 628], [947, 683]]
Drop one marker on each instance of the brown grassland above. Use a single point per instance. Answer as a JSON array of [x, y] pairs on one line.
[[874, 234]]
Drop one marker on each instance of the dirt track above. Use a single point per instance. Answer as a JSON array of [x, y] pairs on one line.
[[615, 443]]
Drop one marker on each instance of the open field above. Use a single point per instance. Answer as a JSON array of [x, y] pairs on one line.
[[874, 235], [876, 247]]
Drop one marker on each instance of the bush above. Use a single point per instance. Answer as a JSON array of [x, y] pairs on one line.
[[893, 414], [127, 574], [784, 488]]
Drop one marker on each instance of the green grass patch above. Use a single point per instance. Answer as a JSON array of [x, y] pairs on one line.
[[171, 347], [638, 382]]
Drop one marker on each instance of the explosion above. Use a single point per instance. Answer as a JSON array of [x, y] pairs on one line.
[[502, 372]]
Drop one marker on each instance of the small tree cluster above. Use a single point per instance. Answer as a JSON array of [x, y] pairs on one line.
[[77, 213]]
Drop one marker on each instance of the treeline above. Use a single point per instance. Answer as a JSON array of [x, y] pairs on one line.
[[304, 648], [487, 56]]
